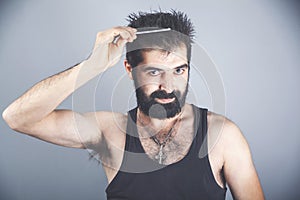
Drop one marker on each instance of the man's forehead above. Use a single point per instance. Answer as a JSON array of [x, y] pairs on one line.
[[163, 57]]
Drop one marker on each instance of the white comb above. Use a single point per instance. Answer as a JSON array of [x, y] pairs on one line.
[[116, 38]]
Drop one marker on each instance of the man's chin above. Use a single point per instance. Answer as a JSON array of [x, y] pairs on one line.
[[163, 110]]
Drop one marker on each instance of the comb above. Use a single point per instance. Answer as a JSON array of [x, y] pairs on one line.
[[116, 38]]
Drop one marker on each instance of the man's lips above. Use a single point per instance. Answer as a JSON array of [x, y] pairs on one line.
[[166, 100]]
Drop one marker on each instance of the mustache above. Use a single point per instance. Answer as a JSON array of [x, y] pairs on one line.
[[161, 94]]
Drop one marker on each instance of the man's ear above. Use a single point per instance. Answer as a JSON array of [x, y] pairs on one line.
[[128, 69]]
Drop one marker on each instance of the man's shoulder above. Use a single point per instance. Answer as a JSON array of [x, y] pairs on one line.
[[223, 131], [109, 115], [108, 121], [221, 122]]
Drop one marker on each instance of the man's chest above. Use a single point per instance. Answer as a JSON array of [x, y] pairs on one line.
[[174, 150]]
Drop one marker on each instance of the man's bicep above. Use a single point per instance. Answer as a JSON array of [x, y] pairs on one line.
[[239, 170], [66, 128]]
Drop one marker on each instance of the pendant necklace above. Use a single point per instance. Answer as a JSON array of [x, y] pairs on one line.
[[161, 156]]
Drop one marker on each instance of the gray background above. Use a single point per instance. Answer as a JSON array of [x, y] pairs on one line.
[[255, 45]]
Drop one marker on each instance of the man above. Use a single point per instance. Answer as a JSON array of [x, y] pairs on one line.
[[153, 151]]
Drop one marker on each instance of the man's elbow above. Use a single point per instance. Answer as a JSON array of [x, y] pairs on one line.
[[10, 120]]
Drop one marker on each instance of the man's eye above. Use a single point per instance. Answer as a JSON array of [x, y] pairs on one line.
[[154, 72], [179, 71]]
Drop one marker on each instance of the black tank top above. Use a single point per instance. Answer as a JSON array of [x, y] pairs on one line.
[[141, 178]]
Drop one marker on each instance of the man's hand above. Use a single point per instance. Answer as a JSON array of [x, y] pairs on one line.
[[108, 51]]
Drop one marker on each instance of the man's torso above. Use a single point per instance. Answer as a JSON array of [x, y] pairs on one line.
[[176, 149]]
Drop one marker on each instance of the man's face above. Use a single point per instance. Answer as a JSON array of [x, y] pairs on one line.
[[161, 82]]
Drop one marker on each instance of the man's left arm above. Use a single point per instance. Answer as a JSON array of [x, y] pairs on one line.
[[239, 170]]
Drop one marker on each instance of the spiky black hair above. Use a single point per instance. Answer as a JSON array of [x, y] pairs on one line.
[[182, 33], [176, 20]]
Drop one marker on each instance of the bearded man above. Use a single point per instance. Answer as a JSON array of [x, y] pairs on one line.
[[153, 151]]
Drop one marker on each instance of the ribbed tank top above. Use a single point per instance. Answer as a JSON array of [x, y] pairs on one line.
[[141, 178]]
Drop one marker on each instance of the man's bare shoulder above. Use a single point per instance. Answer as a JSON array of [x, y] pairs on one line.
[[225, 134], [108, 121], [111, 124]]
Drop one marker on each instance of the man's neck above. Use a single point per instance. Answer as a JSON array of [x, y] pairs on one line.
[[154, 126]]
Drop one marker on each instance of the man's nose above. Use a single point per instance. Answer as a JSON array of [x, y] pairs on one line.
[[166, 83]]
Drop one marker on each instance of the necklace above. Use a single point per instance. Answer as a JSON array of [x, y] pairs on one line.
[[161, 156]]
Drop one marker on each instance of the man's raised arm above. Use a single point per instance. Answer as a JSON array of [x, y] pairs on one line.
[[34, 112]]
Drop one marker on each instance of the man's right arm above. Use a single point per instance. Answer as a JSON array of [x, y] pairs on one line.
[[35, 114]]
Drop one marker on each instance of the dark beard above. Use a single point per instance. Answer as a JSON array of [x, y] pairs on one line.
[[153, 109]]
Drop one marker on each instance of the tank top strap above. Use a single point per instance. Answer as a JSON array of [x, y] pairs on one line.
[[135, 160], [200, 127], [132, 141]]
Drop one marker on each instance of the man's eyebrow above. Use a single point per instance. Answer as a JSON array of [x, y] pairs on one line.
[[182, 66], [149, 68]]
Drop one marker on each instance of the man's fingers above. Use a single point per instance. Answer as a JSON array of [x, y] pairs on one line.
[[117, 36], [132, 32], [126, 34]]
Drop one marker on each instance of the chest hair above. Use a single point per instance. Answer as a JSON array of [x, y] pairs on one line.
[[174, 150]]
